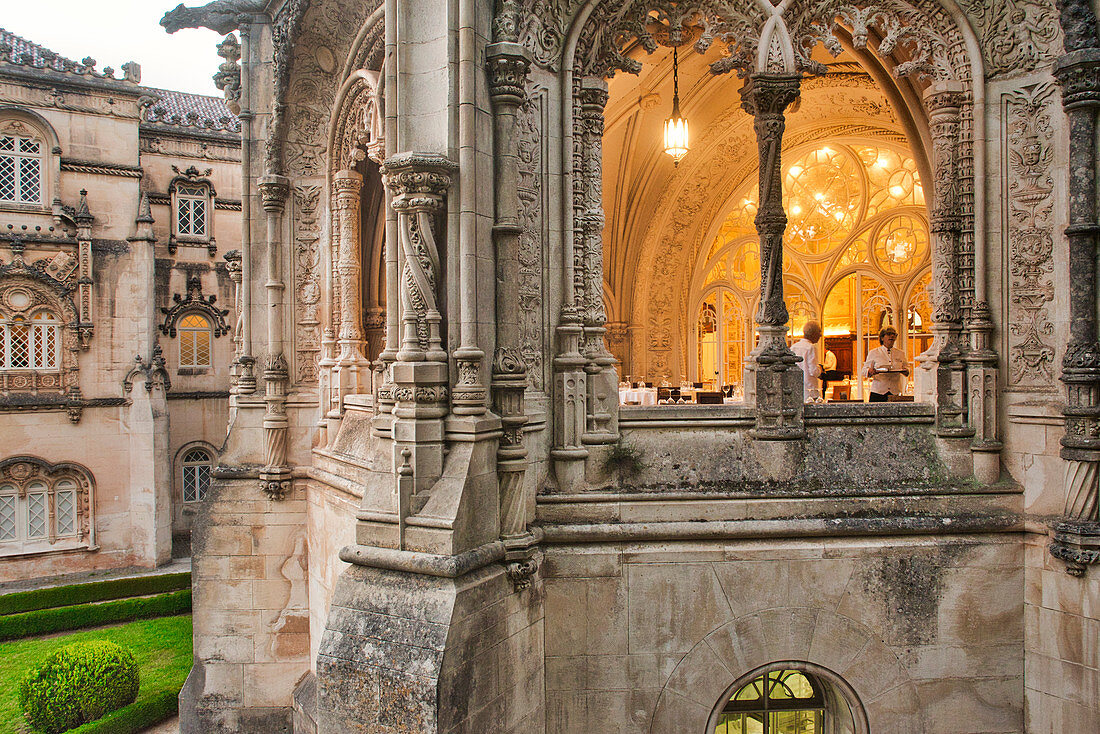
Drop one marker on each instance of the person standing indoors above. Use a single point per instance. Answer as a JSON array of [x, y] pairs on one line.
[[806, 348], [887, 366]]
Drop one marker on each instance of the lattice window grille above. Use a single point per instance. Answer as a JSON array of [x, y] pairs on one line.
[[197, 464], [65, 509], [9, 526], [195, 341], [20, 169], [34, 345], [191, 205], [38, 512]]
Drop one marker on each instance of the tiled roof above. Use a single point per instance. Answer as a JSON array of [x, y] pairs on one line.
[[18, 50], [197, 111]]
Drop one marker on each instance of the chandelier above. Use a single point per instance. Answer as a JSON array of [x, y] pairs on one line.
[[676, 127]]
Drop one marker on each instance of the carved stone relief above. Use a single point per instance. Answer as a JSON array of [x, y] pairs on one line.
[[307, 285], [1030, 203], [1016, 35], [532, 178]]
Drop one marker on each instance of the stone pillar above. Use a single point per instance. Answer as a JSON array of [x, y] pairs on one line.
[[275, 474], [351, 374], [982, 376], [940, 369], [508, 64], [776, 377], [419, 183], [601, 424], [1077, 536]]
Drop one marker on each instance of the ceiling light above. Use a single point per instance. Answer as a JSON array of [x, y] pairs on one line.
[[676, 127]]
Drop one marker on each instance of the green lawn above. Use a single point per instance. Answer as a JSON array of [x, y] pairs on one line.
[[161, 646]]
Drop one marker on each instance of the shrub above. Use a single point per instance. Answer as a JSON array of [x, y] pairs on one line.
[[60, 596], [78, 683], [45, 621]]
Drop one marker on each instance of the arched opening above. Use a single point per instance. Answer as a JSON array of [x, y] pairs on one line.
[[856, 181], [789, 698]]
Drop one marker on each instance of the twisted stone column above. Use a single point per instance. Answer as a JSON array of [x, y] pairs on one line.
[[1077, 537], [941, 369], [351, 374], [773, 375], [602, 380], [419, 184]]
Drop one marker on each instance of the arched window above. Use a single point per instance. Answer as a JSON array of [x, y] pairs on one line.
[[43, 507], [195, 474], [21, 167], [777, 702], [195, 340], [30, 344]]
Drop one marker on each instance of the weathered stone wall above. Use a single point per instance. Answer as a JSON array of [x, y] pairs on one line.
[[647, 637]]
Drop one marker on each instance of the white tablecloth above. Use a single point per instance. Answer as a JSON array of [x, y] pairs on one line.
[[638, 396]]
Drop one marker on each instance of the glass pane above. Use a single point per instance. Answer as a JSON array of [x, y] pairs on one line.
[[184, 217], [29, 180], [795, 722], [66, 512], [708, 339], [7, 177], [194, 321], [20, 345], [190, 483], [187, 348], [198, 217], [751, 692], [7, 142], [203, 481], [36, 515], [7, 517], [196, 455], [202, 349]]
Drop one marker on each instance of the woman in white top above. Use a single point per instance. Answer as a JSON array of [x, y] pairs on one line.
[[887, 367], [806, 348]]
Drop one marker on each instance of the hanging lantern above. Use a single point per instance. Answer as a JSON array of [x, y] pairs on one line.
[[676, 127]]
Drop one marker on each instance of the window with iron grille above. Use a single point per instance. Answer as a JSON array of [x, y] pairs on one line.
[[20, 169], [30, 344], [196, 467], [192, 203], [40, 511], [195, 340]]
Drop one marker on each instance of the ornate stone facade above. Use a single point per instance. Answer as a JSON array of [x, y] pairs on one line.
[[492, 499]]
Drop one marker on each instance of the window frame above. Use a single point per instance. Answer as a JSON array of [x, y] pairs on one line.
[[186, 462], [183, 188], [186, 333], [25, 123], [64, 495], [20, 159], [34, 328]]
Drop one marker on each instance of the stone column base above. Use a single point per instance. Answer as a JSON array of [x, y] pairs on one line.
[[408, 652]]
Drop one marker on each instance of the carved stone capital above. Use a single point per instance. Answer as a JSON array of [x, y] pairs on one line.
[[1077, 544], [347, 185], [508, 65], [273, 192], [1078, 75], [418, 178], [593, 96], [769, 94]]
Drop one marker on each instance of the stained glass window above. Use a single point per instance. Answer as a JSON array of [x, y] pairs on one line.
[[20, 169]]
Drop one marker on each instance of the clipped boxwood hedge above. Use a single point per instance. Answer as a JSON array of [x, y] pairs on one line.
[[60, 596], [78, 683], [135, 718], [45, 621]]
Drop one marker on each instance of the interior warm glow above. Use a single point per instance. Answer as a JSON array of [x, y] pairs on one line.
[[844, 330], [897, 191], [882, 163], [795, 170], [676, 137], [796, 209]]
